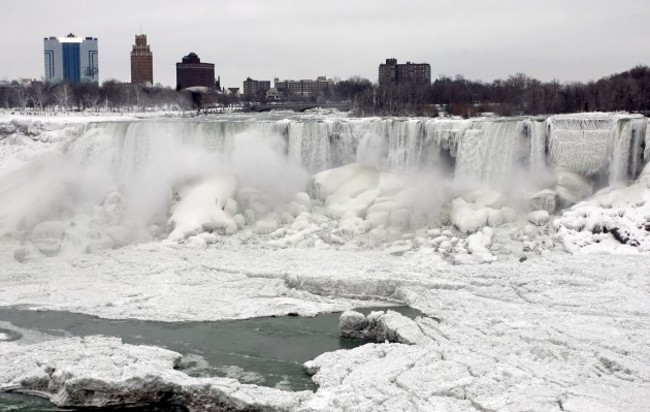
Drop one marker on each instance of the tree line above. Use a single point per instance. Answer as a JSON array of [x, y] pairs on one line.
[[109, 96], [519, 94]]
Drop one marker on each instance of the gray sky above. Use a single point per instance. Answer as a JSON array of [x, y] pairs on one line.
[[294, 39]]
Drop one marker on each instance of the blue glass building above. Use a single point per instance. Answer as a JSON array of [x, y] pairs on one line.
[[72, 59]]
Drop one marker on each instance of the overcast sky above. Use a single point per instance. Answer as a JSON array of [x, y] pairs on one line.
[[300, 39]]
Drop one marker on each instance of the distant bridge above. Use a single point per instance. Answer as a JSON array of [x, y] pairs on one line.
[[300, 107]]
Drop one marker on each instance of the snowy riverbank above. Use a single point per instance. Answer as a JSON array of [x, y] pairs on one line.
[[560, 330]]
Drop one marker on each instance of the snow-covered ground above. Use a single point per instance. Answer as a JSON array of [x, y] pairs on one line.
[[551, 333], [538, 301]]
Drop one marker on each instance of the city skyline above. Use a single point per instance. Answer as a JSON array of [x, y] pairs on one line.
[[582, 41]]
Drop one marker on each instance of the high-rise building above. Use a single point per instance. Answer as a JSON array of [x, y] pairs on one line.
[[72, 59], [256, 87], [141, 61], [191, 72], [393, 73]]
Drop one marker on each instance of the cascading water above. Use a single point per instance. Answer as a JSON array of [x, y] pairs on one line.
[[486, 150], [646, 154], [627, 156], [538, 144]]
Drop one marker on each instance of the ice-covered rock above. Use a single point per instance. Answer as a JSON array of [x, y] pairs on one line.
[[239, 220], [344, 181], [614, 219], [295, 208], [265, 226], [48, 237], [381, 326], [479, 242], [542, 200], [358, 205], [302, 198], [495, 218], [538, 217], [486, 198], [201, 206], [231, 207], [466, 218], [571, 187]]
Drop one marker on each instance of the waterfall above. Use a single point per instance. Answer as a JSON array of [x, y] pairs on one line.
[[627, 160], [482, 150], [646, 154], [538, 142]]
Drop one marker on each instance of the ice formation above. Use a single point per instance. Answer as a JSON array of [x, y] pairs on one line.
[[99, 371], [107, 184], [381, 326], [302, 214]]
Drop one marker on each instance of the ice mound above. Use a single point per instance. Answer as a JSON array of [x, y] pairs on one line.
[[100, 371], [201, 206], [474, 210], [615, 219]]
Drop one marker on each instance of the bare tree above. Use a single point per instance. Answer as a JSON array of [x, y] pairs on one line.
[[38, 95], [21, 97], [62, 95]]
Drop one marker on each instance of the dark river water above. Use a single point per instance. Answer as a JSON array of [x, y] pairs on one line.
[[264, 351]]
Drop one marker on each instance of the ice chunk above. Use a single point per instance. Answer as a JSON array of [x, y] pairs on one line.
[[486, 198], [381, 326], [495, 218], [572, 187], [230, 207], [539, 217], [48, 236], [542, 200], [349, 180], [302, 198], [466, 218], [201, 206]]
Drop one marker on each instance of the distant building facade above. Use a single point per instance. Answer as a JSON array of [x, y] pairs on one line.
[[71, 59], [274, 95], [304, 87], [141, 61], [256, 87], [190, 72], [392, 73]]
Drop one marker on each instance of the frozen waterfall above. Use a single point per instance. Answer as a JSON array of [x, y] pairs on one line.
[[491, 151]]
